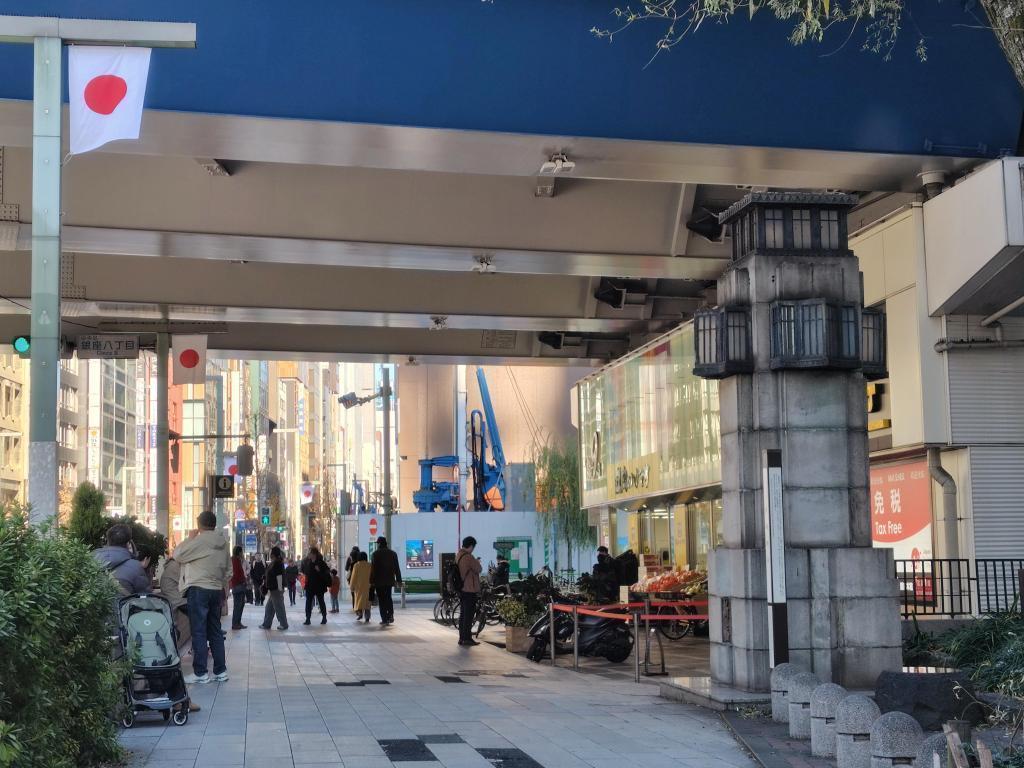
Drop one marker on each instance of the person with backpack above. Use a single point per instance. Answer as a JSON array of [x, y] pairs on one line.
[[119, 558], [359, 585], [385, 573], [465, 581]]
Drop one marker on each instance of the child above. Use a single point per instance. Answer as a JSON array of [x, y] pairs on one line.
[[335, 589]]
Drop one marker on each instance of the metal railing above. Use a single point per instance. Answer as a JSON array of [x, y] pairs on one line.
[[952, 588]]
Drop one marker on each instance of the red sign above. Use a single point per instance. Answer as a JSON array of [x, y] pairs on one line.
[[373, 526], [901, 509]]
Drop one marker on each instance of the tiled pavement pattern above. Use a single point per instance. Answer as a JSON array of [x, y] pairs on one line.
[[365, 697]]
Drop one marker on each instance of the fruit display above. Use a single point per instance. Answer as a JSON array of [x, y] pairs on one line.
[[677, 581]]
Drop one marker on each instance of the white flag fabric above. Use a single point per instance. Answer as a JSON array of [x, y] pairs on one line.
[[189, 356], [106, 88], [305, 494]]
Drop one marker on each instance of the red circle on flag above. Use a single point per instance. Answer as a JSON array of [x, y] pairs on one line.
[[373, 526], [189, 358], [233, 469], [104, 92]]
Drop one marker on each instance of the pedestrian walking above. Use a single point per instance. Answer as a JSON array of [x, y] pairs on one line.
[[238, 589], [273, 588], [335, 589], [353, 558], [258, 573], [170, 588], [359, 585], [469, 572], [291, 577], [318, 581], [384, 575], [205, 566]]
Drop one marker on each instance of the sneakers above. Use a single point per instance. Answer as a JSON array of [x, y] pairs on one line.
[[201, 679], [264, 626], [221, 677]]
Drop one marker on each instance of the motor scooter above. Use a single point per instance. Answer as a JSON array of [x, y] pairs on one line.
[[599, 636]]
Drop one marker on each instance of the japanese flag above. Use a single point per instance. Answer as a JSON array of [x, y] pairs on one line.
[[306, 493], [189, 355], [106, 88], [231, 464]]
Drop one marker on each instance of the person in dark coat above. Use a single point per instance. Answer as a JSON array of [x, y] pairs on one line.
[[291, 576], [318, 580], [606, 577], [501, 573], [257, 574], [353, 558], [385, 573]]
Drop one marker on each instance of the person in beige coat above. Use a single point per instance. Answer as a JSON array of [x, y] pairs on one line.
[[359, 583]]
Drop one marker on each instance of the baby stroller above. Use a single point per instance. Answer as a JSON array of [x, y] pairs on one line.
[[149, 639]]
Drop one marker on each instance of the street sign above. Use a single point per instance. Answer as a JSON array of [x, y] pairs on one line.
[[223, 487], [250, 543], [373, 526], [108, 346]]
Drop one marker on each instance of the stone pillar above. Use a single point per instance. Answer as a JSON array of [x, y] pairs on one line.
[[843, 619]]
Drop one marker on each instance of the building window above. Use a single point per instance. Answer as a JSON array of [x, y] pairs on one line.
[[722, 342], [67, 474], [68, 435], [68, 398], [801, 228], [774, 228], [829, 221]]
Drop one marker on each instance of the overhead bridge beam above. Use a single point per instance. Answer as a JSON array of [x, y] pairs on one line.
[[340, 253]]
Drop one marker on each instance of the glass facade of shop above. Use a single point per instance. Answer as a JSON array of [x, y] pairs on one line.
[[650, 453]]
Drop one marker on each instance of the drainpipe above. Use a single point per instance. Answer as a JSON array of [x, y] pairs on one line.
[[949, 513], [957, 583]]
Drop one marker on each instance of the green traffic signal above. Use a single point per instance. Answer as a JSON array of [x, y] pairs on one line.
[[265, 519], [22, 345]]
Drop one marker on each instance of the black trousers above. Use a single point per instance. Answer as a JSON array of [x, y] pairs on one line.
[[386, 604], [467, 614], [291, 592], [310, 598]]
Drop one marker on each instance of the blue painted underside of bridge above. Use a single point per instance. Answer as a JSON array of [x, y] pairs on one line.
[[532, 66]]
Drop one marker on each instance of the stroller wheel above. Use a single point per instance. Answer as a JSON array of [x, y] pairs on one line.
[[128, 720], [180, 717]]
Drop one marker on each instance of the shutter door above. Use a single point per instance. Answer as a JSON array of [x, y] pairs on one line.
[[997, 500], [986, 396]]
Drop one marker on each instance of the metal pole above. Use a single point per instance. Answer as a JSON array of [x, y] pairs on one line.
[[386, 395], [551, 630], [163, 458], [636, 646], [45, 369], [575, 638], [403, 594], [647, 635]]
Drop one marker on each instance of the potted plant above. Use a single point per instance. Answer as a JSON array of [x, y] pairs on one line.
[[513, 612]]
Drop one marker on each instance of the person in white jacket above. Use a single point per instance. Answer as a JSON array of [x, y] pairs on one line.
[[205, 560]]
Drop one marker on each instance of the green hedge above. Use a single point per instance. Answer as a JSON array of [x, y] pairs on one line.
[[58, 685]]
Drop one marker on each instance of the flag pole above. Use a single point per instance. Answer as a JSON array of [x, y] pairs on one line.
[[47, 35]]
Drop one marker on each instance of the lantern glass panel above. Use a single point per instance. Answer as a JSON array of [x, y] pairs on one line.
[[774, 228], [801, 228], [829, 221]]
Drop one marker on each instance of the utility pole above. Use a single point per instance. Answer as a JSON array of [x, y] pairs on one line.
[[386, 397], [48, 35]]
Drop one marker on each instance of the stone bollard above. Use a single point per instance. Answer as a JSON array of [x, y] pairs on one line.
[[824, 702], [780, 678], [854, 717], [895, 739], [936, 743], [800, 689]]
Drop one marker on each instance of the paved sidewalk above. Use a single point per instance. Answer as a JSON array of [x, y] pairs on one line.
[[364, 696]]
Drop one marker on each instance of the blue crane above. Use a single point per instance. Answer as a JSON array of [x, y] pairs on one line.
[[488, 477]]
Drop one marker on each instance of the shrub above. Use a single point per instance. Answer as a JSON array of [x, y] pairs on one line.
[[89, 524], [513, 612], [58, 685]]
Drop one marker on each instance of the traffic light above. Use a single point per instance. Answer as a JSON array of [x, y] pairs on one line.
[[280, 528], [244, 460], [22, 345], [265, 519]]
